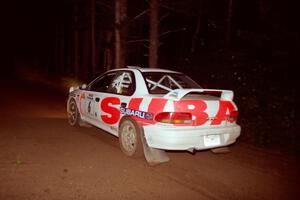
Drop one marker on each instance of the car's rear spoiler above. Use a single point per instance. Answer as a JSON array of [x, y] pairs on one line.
[[178, 94]]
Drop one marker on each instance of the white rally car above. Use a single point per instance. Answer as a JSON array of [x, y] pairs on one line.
[[157, 108]]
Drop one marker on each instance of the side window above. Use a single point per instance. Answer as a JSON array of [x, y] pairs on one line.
[[102, 84], [123, 84]]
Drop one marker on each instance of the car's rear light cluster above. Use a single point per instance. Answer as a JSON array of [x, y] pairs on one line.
[[174, 118], [233, 116]]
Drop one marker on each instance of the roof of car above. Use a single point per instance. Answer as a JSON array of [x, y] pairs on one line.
[[151, 69], [156, 70]]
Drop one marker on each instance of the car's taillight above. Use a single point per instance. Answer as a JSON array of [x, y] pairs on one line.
[[233, 116], [174, 118]]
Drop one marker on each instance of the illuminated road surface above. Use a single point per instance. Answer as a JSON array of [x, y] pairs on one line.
[[42, 157]]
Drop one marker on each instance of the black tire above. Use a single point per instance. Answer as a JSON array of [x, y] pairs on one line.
[[130, 138], [73, 114]]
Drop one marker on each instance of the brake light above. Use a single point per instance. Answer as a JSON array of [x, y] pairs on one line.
[[233, 116], [174, 118]]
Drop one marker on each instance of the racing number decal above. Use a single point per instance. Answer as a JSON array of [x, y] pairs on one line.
[[89, 107], [113, 113]]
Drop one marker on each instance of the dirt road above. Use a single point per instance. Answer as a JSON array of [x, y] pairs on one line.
[[42, 157]]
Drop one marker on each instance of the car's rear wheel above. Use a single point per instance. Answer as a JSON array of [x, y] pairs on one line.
[[73, 114], [130, 138]]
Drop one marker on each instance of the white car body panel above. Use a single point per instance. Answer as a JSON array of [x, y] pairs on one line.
[[185, 138], [159, 135]]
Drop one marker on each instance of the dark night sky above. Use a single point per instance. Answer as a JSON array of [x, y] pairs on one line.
[[30, 25], [34, 23]]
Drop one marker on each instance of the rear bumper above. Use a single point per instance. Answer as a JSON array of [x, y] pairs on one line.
[[186, 138]]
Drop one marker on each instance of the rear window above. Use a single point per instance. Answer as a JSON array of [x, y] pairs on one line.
[[162, 83]]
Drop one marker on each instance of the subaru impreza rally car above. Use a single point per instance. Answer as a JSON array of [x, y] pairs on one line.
[[157, 108]]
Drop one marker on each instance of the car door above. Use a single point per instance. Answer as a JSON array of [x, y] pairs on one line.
[[90, 98], [86, 105], [108, 93]]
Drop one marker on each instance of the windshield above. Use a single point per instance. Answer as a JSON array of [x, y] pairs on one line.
[[162, 83]]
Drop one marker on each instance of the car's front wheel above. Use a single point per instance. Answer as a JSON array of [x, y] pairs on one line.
[[130, 138], [73, 114]]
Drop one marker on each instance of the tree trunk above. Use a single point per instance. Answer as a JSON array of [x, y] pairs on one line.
[[229, 21], [85, 54], [62, 52], [154, 34], [92, 30], [196, 34], [107, 61], [120, 32], [76, 42]]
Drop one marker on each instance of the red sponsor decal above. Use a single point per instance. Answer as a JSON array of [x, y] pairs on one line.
[[114, 113], [198, 111], [157, 105], [135, 103], [225, 108]]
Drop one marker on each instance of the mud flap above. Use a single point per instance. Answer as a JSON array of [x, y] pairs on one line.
[[84, 124], [152, 155]]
